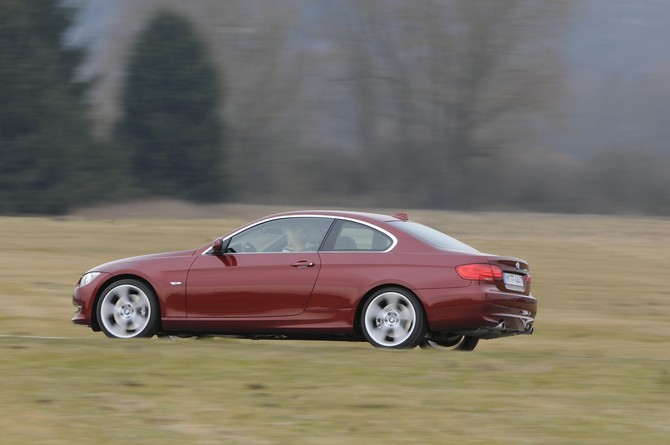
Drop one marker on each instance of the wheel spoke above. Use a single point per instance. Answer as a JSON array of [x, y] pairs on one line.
[[129, 326], [392, 301], [406, 315], [123, 294], [137, 319], [381, 308], [108, 310], [390, 335]]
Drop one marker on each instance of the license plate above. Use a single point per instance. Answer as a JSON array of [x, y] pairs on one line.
[[511, 279]]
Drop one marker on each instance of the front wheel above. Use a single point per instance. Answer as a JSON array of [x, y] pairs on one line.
[[393, 318], [128, 309]]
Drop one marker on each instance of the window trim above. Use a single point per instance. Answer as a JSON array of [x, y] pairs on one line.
[[336, 227], [336, 219]]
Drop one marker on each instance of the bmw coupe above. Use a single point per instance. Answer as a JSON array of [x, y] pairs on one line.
[[336, 275]]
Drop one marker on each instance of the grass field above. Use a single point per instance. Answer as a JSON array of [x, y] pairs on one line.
[[597, 370]]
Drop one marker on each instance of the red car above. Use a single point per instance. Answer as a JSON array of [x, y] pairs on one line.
[[316, 274]]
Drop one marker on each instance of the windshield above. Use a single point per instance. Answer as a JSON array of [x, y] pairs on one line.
[[433, 237]]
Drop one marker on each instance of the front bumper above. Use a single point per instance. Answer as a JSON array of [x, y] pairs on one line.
[[83, 299]]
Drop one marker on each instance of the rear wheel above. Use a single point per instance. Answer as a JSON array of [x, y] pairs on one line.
[[393, 318], [450, 343], [128, 309]]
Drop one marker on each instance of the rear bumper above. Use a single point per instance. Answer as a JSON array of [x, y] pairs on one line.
[[479, 311], [517, 312]]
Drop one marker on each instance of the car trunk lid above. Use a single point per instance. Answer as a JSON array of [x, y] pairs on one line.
[[516, 274]]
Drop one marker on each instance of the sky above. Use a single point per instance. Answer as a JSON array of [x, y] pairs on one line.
[[618, 62]]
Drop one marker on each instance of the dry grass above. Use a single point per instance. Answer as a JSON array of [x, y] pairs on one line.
[[597, 370]]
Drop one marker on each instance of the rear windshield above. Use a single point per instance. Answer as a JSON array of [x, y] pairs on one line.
[[433, 237]]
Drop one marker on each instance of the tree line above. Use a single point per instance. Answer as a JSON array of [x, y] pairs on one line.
[[169, 142], [381, 103]]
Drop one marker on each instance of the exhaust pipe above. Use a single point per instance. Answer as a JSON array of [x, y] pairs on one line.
[[500, 327], [497, 331]]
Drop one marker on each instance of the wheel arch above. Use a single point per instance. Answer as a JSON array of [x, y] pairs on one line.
[[95, 324]]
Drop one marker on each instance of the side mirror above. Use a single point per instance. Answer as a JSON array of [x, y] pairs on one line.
[[219, 247]]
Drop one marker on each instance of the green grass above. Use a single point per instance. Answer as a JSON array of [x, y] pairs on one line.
[[596, 371]]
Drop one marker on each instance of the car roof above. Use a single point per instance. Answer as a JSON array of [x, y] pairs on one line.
[[364, 216]]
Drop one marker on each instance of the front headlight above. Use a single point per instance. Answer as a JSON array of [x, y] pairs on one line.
[[87, 278]]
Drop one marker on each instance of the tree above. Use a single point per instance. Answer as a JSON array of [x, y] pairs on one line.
[[171, 128], [488, 73], [444, 90], [46, 151]]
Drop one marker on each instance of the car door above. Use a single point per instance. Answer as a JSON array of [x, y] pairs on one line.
[[354, 258], [270, 271]]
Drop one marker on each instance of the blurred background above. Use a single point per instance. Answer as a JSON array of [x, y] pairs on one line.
[[444, 104]]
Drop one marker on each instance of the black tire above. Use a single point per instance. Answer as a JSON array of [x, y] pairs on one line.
[[456, 343], [393, 318], [128, 309]]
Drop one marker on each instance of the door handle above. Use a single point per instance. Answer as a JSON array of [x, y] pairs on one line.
[[303, 264]]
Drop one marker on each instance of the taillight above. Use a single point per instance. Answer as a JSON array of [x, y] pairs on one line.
[[479, 272]]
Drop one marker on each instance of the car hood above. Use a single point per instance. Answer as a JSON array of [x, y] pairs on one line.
[[131, 261]]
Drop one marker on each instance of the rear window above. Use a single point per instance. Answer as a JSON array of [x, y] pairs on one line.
[[433, 237]]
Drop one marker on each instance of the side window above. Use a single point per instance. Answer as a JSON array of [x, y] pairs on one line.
[[282, 235], [358, 237]]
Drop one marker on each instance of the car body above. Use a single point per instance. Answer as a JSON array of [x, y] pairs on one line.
[[316, 274]]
